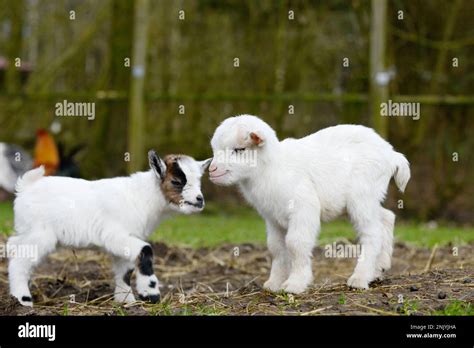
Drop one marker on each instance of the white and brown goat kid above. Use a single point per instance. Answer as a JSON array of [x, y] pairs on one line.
[[116, 215]]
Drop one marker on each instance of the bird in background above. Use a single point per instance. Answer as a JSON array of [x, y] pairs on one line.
[[46, 152], [15, 161]]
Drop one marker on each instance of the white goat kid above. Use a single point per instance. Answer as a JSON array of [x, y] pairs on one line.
[[115, 214], [295, 183]]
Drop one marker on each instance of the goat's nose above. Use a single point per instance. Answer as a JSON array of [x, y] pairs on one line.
[[199, 201], [212, 168]]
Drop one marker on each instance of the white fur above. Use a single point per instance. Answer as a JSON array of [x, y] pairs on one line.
[[115, 214], [296, 183]]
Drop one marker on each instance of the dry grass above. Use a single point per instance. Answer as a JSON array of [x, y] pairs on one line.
[[214, 281]]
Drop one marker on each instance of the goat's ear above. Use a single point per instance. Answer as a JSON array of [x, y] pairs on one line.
[[204, 164], [256, 138], [157, 164]]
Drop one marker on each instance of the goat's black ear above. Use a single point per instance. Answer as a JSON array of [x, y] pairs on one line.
[[157, 164]]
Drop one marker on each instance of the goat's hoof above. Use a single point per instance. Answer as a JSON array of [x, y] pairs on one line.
[[384, 262], [26, 300], [272, 286], [294, 287], [357, 283], [379, 276], [150, 298]]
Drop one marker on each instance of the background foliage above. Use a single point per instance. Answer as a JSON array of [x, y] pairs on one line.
[[282, 63]]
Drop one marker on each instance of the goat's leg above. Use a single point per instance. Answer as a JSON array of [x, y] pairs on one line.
[[280, 263], [147, 282], [384, 258], [300, 241], [139, 252], [20, 266], [371, 230], [123, 270]]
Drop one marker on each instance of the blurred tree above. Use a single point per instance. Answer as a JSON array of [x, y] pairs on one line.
[[136, 129], [378, 70], [299, 61]]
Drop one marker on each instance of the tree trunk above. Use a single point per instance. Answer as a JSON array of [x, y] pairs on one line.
[[378, 85], [136, 117]]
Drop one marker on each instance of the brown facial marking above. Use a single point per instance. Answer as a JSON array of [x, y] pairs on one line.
[[174, 175]]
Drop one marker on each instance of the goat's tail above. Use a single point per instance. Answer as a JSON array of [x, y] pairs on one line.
[[401, 172], [29, 178]]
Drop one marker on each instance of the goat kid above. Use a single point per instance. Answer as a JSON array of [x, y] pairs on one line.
[[296, 183], [115, 214]]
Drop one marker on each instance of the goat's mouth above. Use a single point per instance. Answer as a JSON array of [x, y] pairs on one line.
[[212, 177], [198, 205]]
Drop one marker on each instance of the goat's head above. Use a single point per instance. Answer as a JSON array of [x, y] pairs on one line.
[[180, 180], [240, 144]]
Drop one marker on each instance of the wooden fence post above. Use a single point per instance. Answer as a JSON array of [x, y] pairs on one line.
[[379, 78], [136, 117]]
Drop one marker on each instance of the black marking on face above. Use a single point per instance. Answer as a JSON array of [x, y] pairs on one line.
[[174, 181], [26, 299], [127, 276], [152, 284], [150, 298], [145, 261], [178, 174]]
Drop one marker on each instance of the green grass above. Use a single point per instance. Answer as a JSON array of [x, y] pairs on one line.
[[165, 308], [242, 225], [6, 217], [457, 307], [408, 308], [209, 230]]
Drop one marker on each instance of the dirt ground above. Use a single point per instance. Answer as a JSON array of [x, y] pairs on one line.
[[217, 282]]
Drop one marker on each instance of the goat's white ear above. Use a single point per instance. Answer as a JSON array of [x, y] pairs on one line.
[[204, 164], [157, 164], [256, 138]]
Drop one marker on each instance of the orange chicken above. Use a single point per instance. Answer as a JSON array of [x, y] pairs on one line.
[[46, 152]]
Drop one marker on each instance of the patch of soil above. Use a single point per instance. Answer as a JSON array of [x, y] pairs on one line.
[[227, 280]]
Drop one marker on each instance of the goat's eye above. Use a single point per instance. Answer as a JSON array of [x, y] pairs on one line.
[[240, 149], [176, 183]]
